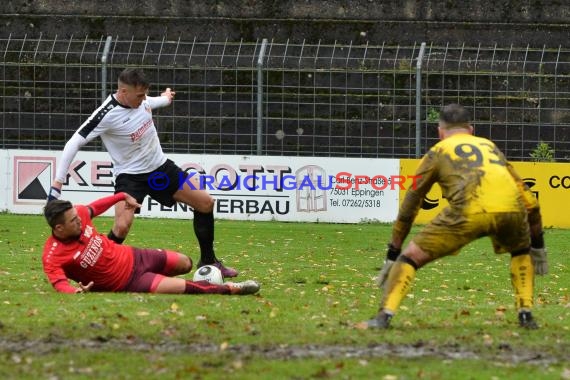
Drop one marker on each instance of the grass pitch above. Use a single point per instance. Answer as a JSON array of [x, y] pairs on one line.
[[317, 283]]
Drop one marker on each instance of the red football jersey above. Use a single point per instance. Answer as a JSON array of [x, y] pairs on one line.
[[92, 257]]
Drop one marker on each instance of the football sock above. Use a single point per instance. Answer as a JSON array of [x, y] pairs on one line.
[[111, 235], [522, 278], [204, 230], [204, 287], [398, 285]]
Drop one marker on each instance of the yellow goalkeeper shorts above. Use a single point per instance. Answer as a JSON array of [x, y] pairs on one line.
[[449, 231]]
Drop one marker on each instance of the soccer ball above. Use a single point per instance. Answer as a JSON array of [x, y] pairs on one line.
[[209, 273]]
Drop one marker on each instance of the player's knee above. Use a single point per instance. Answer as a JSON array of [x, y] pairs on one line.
[[185, 263], [519, 252], [415, 256], [177, 263], [408, 260]]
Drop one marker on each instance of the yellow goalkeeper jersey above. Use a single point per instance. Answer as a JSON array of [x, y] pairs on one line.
[[473, 174]]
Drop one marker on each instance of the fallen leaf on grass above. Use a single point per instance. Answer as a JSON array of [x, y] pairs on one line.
[[251, 330], [464, 312], [238, 364], [273, 313], [499, 313], [84, 370], [175, 309], [96, 325], [361, 325], [169, 332]]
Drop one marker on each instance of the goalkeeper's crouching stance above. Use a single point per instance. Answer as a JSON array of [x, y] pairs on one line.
[[486, 198]]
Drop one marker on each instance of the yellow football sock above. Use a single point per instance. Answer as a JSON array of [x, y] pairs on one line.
[[522, 278], [398, 285]]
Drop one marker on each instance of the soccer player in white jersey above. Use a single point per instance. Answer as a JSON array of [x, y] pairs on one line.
[[124, 123]]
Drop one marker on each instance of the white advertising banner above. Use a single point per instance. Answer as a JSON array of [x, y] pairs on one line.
[[311, 189]]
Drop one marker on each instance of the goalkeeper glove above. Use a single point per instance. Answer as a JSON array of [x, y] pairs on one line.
[[54, 193], [539, 260], [391, 256]]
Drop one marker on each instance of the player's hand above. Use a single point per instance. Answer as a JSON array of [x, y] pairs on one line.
[[84, 288], [131, 203], [169, 94], [539, 260], [391, 255]]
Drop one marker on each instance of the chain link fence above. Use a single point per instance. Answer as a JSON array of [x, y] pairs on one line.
[[282, 98]]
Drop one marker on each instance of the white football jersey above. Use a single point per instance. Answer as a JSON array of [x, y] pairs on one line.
[[129, 135]]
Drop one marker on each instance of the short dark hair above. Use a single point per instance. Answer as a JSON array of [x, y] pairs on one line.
[[54, 210], [454, 116], [133, 77]]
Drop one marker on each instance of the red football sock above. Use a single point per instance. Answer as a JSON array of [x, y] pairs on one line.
[[204, 287]]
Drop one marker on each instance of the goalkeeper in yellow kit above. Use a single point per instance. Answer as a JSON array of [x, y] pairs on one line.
[[486, 198]]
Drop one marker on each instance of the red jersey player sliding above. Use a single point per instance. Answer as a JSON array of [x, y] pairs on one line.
[[76, 251]]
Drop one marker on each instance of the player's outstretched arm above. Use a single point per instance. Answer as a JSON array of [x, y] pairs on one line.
[[101, 205], [55, 273], [425, 177], [59, 280], [63, 286], [169, 94], [68, 154], [164, 100], [131, 203]]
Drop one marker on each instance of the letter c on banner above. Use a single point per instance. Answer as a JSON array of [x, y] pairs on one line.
[[230, 173], [343, 178]]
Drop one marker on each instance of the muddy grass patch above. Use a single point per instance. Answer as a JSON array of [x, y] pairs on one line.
[[502, 352]]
